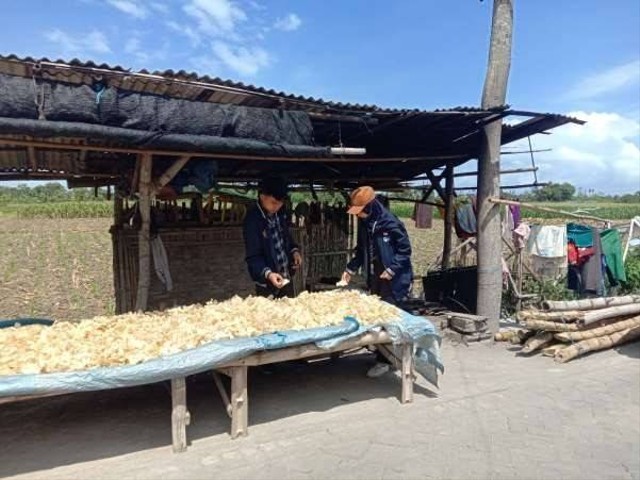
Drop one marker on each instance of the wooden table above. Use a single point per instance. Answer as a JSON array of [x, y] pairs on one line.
[[237, 402]]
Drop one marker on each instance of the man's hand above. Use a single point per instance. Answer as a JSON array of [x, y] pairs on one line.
[[276, 280], [297, 260], [385, 275]]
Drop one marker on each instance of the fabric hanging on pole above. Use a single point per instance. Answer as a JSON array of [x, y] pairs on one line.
[[580, 235], [612, 250], [548, 241], [423, 215], [161, 262], [592, 271], [466, 219]]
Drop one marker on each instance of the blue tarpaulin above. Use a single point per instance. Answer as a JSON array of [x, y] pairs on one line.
[[215, 354]]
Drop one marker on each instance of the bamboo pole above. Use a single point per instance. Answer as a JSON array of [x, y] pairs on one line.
[[611, 312], [569, 316], [581, 317], [550, 326], [590, 303], [597, 343], [598, 332], [539, 340], [144, 254], [449, 218], [546, 209]]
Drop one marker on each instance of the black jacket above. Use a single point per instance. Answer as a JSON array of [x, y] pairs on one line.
[[391, 245], [259, 247]]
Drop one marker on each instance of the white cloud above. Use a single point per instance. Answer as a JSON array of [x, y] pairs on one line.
[[194, 37], [159, 7], [288, 23], [215, 17], [603, 154], [616, 78], [243, 60], [130, 8], [95, 42]]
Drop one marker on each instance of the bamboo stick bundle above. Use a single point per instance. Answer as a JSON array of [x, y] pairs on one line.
[[597, 343], [539, 340], [581, 317], [589, 303], [598, 332]]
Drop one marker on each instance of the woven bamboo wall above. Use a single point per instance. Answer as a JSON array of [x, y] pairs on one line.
[[205, 264]]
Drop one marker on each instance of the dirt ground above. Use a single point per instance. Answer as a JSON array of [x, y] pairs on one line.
[[62, 269]]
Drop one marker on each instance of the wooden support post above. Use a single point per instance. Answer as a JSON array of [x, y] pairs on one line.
[[144, 247], [239, 402], [223, 393], [171, 172], [118, 207], [519, 277], [449, 218], [180, 416], [407, 373], [489, 222]]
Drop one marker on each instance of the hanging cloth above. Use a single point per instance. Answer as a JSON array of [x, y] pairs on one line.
[[161, 262]]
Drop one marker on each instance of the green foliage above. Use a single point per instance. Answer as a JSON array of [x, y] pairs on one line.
[[547, 290], [609, 210], [555, 192], [632, 269], [49, 192], [65, 210]]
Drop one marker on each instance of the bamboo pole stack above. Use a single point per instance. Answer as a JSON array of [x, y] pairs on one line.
[[567, 330]]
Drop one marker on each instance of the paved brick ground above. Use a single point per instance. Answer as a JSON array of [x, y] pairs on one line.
[[497, 415]]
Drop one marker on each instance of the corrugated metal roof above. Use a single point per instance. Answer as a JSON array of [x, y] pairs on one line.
[[432, 138], [182, 84]]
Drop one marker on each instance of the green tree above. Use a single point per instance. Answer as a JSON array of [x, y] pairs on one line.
[[555, 192]]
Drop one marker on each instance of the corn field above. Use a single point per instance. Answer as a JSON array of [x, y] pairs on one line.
[[65, 210]]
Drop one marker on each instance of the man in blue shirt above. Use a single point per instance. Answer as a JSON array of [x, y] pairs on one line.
[[272, 256]]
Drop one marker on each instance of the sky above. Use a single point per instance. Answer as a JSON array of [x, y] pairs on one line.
[[580, 58]]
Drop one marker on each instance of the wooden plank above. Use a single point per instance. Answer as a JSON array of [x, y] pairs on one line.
[[31, 155], [449, 218], [223, 392], [21, 398], [407, 373], [389, 355], [308, 350], [180, 417], [144, 246], [170, 173], [239, 402]]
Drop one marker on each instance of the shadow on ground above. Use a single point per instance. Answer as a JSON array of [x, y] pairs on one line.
[[95, 425]]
